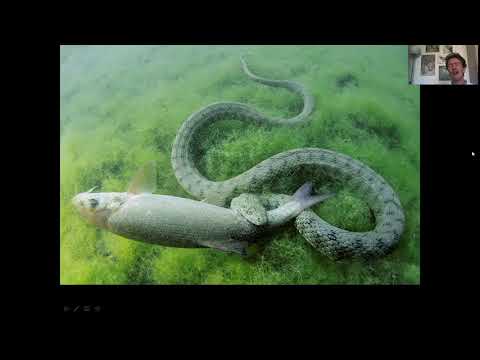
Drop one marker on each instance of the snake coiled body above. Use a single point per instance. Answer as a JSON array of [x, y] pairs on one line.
[[331, 241]]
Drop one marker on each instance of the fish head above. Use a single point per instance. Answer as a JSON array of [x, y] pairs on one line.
[[96, 208]]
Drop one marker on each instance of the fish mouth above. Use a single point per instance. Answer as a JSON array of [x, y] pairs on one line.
[[77, 202]]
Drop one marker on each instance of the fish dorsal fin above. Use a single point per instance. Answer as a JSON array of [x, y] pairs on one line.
[[93, 188], [145, 180]]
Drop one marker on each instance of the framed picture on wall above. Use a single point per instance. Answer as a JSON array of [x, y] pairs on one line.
[[428, 65], [432, 48], [441, 60], [447, 49], [443, 73]]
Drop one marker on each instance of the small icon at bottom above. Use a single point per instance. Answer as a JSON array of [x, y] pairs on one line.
[[82, 308]]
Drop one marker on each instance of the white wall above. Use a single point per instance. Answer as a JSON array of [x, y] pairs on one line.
[[476, 53], [419, 79]]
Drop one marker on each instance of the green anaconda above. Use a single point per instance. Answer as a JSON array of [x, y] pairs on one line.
[[331, 241]]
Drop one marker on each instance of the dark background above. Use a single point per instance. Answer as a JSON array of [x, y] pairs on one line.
[[449, 181]]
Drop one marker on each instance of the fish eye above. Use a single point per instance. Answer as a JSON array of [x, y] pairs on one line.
[[93, 203]]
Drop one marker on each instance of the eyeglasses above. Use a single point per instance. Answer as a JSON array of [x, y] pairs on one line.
[[454, 64]]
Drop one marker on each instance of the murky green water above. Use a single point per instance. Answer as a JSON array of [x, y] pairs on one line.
[[122, 105]]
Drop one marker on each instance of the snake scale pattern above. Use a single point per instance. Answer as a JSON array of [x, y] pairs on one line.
[[331, 241]]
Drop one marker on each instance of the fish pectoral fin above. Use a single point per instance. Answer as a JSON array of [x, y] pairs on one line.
[[145, 180], [229, 245]]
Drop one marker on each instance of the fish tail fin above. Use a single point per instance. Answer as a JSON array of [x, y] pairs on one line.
[[305, 197]]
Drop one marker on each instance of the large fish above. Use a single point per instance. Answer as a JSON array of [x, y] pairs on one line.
[[139, 214]]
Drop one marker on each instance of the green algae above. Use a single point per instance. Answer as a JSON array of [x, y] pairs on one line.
[[122, 105]]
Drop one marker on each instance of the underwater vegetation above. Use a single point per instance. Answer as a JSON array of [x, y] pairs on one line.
[[121, 107]]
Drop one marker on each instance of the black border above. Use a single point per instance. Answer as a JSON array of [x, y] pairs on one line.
[[443, 145]]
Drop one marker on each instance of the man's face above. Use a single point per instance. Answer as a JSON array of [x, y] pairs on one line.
[[455, 69]]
